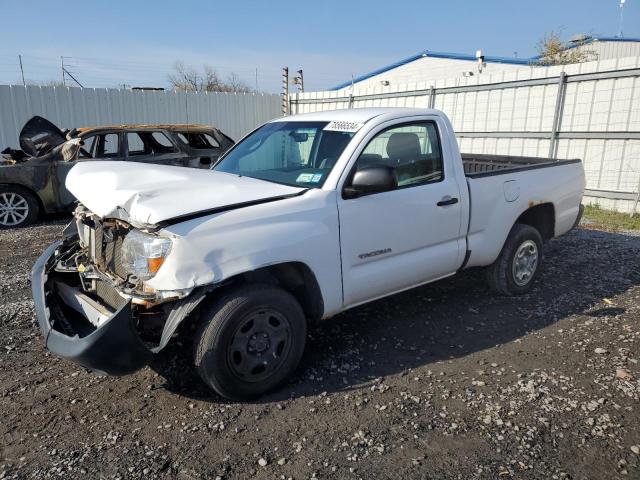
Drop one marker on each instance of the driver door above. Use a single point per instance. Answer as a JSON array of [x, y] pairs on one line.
[[408, 235]]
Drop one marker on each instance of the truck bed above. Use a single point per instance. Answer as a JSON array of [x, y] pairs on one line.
[[482, 165]]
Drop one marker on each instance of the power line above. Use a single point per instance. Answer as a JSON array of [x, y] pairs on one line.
[[106, 72]]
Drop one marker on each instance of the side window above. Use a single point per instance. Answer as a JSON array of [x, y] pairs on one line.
[[411, 150], [136, 145], [107, 145], [87, 150], [198, 140], [211, 141], [161, 143]]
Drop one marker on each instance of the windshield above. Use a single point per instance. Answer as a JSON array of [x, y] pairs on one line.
[[300, 154]]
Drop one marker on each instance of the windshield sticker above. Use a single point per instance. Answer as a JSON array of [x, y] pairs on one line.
[[342, 126], [305, 178], [309, 178]]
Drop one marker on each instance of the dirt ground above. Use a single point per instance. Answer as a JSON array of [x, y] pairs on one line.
[[444, 381]]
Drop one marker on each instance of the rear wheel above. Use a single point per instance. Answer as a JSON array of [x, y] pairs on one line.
[[518, 265], [18, 207], [250, 341]]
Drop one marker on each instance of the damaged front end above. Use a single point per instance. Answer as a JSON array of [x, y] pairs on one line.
[[92, 310]]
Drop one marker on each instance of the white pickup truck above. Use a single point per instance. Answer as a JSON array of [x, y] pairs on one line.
[[306, 217]]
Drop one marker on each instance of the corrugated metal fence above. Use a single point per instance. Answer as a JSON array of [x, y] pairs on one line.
[[589, 111], [234, 114]]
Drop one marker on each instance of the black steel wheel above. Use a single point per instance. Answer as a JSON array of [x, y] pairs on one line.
[[259, 345], [250, 341], [518, 265]]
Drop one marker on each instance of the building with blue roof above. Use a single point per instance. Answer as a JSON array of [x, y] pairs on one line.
[[429, 66]]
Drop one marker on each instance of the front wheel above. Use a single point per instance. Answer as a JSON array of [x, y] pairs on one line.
[[518, 265], [250, 341]]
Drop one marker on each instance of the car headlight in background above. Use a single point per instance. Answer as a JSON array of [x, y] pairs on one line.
[[143, 254]]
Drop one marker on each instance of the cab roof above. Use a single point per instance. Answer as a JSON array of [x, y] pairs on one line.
[[356, 114]]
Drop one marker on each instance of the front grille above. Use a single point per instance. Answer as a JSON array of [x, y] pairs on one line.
[[98, 243], [106, 248], [113, 256]]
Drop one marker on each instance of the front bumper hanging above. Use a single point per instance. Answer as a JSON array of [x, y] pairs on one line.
[[114, 347]]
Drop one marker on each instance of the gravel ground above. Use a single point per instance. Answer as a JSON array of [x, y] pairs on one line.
[[444, 381]]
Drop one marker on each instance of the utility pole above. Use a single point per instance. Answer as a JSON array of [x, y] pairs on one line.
[[22, 70], [65, 73], [285, 91], [256, 79]]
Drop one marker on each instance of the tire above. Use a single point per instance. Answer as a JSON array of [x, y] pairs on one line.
[[18, 207], [510, 276], [250, 341]]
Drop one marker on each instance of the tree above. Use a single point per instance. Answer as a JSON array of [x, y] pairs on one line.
[[236, 84], [553, 51], [45, 83], [186, 78]]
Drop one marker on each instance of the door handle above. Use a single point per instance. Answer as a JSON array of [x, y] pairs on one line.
[[447, 201]]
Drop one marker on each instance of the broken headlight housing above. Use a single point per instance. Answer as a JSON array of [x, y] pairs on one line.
[[144, 254]]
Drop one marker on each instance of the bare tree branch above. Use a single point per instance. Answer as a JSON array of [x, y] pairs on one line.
[[237, 85], [188, 79]]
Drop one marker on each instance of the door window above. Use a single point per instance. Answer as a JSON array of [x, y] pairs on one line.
[[87, 150], [161, 143], [98, 146], [107, 146], [411, 150], [136, 145]]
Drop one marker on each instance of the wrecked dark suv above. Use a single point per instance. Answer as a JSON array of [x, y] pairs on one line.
[[32, 179]]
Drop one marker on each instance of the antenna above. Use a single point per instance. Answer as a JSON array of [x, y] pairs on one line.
[[620, 34], [22, 70]]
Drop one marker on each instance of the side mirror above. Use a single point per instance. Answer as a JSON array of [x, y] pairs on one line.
[[371, 180]]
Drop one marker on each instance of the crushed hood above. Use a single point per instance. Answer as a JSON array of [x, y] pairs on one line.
[[146, 195]]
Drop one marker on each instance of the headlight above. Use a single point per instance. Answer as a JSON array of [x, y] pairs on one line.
[[143, 254]]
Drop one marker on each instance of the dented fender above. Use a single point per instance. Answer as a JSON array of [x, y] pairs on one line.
[[212, 249]]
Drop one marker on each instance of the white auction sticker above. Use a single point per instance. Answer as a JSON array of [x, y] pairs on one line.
[[305, 178], [343, 126]]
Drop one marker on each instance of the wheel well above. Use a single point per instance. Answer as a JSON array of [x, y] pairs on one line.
[[541, 217], [294, 277]]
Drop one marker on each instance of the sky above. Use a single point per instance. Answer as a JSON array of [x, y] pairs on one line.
[[136, 43]]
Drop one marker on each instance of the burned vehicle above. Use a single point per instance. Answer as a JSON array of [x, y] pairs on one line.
[[32, 180]]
